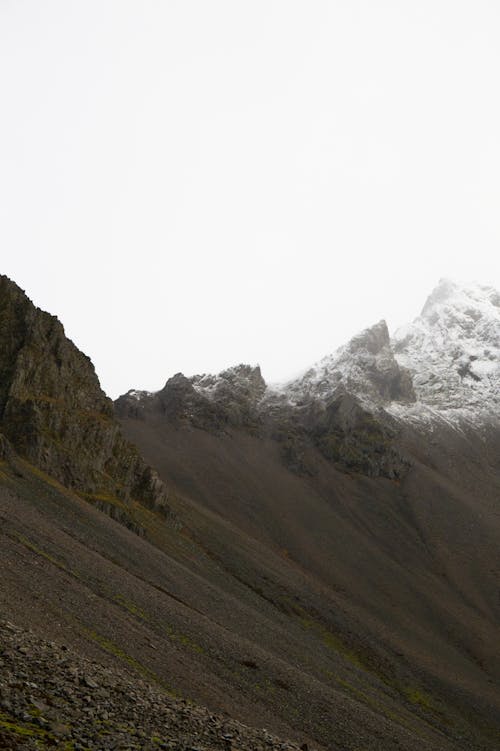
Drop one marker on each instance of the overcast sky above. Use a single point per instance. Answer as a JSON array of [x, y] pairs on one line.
[[192, 184]]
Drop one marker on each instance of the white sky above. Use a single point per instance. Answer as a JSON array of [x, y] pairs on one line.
[[191, 184]]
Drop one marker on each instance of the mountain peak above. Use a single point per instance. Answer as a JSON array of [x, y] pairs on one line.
[[453, 348], [464, 297], [374, 339], [242, 378], [365, 366]]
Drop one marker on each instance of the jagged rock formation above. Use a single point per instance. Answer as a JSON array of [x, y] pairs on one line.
[[453, 350], [210, 402], [340, 426], [442, 368], [353, 403], [365, 367], [358, 441], [54, 413]]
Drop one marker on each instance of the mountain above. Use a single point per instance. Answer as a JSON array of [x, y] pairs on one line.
[[327, 569], [385, 496], [365, 367], [446, 361], [453, 351], [53, 411]]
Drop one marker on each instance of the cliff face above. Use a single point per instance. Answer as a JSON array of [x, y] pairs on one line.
[[54, 412]]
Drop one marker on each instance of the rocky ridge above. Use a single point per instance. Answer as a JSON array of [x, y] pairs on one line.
[[212, 402], [50, 697], [54, 414], [341, 427], [442, 369], [352, 405]]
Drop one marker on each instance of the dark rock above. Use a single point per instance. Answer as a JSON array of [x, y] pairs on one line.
[[55, 414], [5, 448], [356, 439]]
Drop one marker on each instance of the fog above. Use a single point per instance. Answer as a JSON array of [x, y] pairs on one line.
[[189, 185]]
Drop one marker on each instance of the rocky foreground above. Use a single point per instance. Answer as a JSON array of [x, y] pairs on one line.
[[52, 698]]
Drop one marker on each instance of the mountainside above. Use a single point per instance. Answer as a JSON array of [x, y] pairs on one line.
[[333, 572], [53, 411], [366, 481]]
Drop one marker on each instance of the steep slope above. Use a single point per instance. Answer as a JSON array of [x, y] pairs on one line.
[[397, 519], [54, 413], [333, 575], [298, 640]]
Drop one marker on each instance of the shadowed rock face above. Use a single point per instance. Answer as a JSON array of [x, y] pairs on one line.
[[5, 448], [390, 381], [210, 402], [54, 413]]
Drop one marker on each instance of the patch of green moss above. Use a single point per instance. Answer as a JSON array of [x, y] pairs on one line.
[[418, 697], [131, 607], [43, 554], [27, 730], [181, 638], [105, 498], [116, 651], [331, 640], [47, 479]]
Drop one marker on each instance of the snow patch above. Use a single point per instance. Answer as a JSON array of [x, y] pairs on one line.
[[453, 349]]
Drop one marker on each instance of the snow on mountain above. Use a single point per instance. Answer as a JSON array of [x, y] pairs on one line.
[[453, 349], [366, 367], [243, 380], [138, 395], [445, 365]]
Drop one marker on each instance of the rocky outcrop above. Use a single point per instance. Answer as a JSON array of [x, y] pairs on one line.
[[209, 402], [357, 440], [54, 412]]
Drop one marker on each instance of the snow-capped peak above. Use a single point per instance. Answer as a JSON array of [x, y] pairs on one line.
[[365, 367], [453, 348], [446, 362]]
